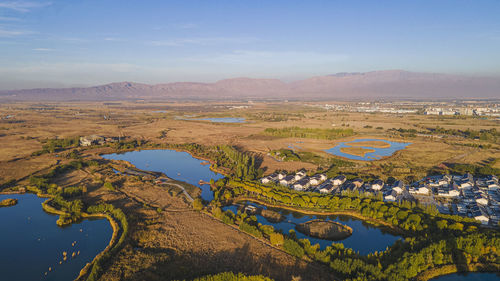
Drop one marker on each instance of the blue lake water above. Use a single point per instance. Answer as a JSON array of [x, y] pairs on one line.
[[217, 119], [476, 276], [371, 156], [31, 242], [177, 165], [183, 167], [365, 237]]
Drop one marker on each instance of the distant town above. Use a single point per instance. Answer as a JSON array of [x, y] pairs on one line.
[[451, 108]]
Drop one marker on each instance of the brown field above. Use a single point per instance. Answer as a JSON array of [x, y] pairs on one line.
[[376, 144], [358, 151], [177, 242]]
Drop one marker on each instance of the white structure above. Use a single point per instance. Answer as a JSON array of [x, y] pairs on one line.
[[300, 175], [302, 184], [338, 180], [377, 185], [286, 181]]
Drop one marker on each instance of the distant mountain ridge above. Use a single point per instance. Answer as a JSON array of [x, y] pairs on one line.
[[343, 86]]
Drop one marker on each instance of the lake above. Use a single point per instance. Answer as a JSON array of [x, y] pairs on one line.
[[370, 156], [365, 237], [31, 242], [177, 165], [182, 166], [476, 276], [215, 119]]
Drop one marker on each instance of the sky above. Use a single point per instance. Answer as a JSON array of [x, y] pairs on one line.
[[59, 43]]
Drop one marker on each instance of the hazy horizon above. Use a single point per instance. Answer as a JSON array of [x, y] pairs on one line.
[[83, 43]]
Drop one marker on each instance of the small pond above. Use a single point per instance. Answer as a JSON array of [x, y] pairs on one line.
[[31, 242], [377, 154], [216, 119], [476, 276], [365, 237], [177, 165]]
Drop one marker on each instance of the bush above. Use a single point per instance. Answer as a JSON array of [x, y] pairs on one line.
[[197, 204], [293, 248]]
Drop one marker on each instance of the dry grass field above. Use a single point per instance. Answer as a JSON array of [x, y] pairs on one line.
[[180, 243]]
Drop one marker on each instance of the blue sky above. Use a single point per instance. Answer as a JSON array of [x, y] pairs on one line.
[[88, 42]]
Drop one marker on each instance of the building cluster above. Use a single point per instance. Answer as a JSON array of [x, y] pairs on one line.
[[466, 195], [462, 195], [321, 183], [477, 111], [476, 108]]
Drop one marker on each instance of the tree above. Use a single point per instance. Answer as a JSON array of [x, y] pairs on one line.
[[197, 204], [276, 239]]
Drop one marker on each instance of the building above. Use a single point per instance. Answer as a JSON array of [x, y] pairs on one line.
[[377, 185], [302, 184], [288, 180], [339, 180]]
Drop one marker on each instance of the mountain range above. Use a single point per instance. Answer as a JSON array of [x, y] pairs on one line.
[[390, 84]]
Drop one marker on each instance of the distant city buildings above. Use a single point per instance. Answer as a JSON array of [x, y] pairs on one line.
[[476, 108]]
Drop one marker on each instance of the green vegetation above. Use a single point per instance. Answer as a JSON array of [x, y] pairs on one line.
[[8, 202], [117, 214], [240, 165], [229, 276], [460, 169], [276, 116], [491, 135], [56, 145], [334, 164], [312, 133], [432, 239]]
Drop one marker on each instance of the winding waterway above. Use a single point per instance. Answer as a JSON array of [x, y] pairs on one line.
[[365, 237], [377, 154], [177, 165], [181, 166], [31, 242]]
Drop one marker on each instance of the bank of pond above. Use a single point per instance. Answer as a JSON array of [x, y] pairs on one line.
[[367, 149], [33, 247], [365, 238], [178, 165]]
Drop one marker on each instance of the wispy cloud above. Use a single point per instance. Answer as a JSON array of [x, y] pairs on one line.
[[9, 19], [43, 49], [186, 25], [23, 6], [113, 39], [202, 41], [12, 33]]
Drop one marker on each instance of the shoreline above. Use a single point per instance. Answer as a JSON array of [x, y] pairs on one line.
[[51, 210], [374, 222], [450, 269]]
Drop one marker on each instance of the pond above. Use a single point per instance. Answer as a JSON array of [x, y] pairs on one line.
[[374, 153], [177, 165], [31, 242], [365, 237], [181, 166], [216, 119], [476, 276]]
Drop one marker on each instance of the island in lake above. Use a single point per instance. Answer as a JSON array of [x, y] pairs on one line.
[[325, 229]]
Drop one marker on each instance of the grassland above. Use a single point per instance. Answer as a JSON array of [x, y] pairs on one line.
[[376, 144], [358, 151], [168, 240]]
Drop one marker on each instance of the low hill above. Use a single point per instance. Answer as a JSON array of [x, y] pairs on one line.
[[342, 86]]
